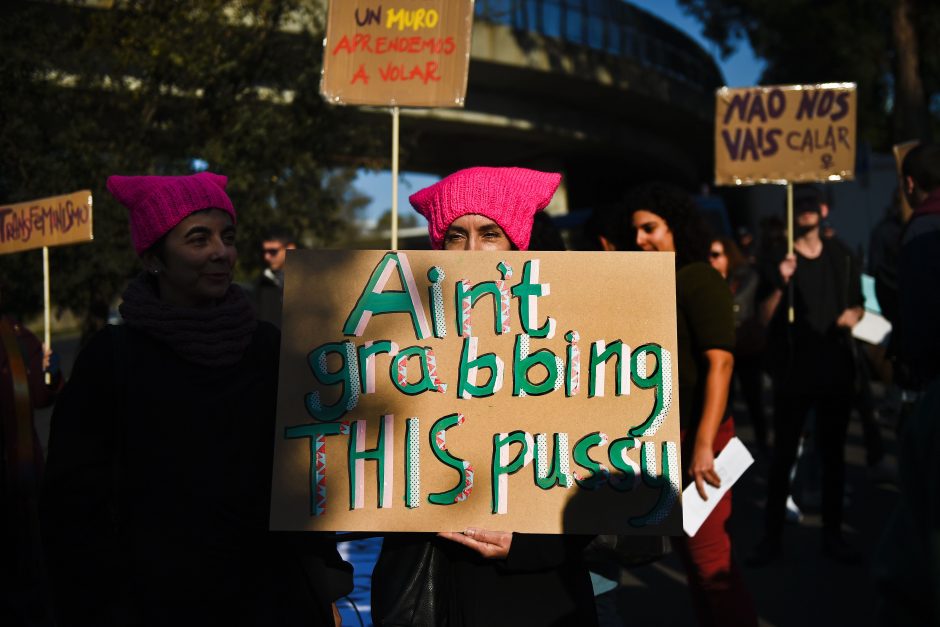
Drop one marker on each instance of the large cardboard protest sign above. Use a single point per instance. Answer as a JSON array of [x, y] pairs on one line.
[[432, 391], [788, 133], [53, 221], [400, 53]]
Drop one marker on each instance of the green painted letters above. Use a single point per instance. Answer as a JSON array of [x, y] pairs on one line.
[[599, 472], [660, 379], [437, 438], [347, 375], [375, 300], [528, 290]]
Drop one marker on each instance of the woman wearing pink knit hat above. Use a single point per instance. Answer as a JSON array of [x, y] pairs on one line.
[[469, 201], [156, 495], [483, 577]]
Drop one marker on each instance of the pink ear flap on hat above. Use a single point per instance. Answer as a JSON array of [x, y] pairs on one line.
[[218, 179], [509, 196]]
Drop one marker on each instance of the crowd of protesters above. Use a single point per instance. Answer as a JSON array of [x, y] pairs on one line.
[[143, 527]]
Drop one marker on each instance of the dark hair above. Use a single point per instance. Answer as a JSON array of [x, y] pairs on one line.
[[690, 233], [610, 222], [545, 235], [278, 234], [732, 252], [922, 164], [806, 198], [158, 248]]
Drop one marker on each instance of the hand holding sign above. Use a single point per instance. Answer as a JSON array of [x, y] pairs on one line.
[[489, 544], [787, 268]]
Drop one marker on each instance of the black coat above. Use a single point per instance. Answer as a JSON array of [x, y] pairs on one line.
[[268, 297], [544, 581], [173, 530]]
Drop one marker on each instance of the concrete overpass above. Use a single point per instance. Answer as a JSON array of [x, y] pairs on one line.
[[598, 89]]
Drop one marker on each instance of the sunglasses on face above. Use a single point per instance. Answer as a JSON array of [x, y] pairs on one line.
[[270, 252], [715, 254]]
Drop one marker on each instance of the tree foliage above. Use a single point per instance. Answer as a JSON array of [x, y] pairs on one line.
[[807, 41], [406, 220], [146, 87]]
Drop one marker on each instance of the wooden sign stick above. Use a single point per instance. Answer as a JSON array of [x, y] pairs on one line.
[[47, 333], [395, 116], [791, 315]]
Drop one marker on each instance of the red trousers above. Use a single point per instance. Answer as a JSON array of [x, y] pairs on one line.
[[719, 594]]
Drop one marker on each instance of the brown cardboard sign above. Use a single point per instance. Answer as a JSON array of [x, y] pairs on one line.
[[412, 53], [515, 391], [53, 221], [785, 133]]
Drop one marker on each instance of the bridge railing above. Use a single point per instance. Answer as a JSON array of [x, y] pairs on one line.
[[613, 27]]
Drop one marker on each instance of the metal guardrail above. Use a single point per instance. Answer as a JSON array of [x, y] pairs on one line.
[[614, 27]]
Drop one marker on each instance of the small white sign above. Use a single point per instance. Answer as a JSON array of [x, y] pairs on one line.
[[730, 464], [872, 328]]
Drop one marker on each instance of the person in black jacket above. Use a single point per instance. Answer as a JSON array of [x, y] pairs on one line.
[[156, 496], [268, 294], [907, 565], [664, 219], [811, 362], [484, 577]]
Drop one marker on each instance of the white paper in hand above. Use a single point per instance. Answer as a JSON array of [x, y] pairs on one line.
[[872, 328], [730, 464]]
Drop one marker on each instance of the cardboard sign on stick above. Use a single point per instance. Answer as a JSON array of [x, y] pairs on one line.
[[518, 391], [411, 53], [785, 133], [53, 221]]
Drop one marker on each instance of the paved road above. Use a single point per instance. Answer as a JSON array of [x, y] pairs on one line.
[[803, 588]]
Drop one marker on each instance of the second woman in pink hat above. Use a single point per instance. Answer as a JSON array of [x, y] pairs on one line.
[[480, 576]]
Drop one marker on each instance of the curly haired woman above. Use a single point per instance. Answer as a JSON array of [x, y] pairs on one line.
[[666, 220]]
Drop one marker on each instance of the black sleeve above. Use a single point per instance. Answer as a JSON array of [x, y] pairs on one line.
[[920, 304], [328, 577], [327, 568], [327, 573], [876, 249], [768, 271], [856, 298], [77, 487], [706, 300], [851, 275]]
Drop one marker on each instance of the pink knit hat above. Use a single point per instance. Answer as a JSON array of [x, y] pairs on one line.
[[158, 203], [508, 196]]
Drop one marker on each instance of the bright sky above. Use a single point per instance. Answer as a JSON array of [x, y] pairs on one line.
[[740, 70]]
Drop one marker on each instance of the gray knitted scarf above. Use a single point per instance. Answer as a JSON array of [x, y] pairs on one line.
[[217, 336]]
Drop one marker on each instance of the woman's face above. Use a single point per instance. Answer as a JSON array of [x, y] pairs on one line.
[[475, 232], [652, 232], [718, 258], [198, 258]]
